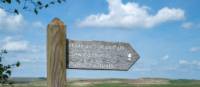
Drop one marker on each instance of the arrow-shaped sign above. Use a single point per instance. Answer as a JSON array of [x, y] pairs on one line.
[[100, 55]]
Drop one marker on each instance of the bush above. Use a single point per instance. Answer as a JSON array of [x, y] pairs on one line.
[[5, 70]]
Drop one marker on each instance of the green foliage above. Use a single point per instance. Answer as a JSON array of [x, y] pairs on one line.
[[29, 5], [5, 70]]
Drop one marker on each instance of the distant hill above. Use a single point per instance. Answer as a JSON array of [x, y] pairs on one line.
[[26, 79]]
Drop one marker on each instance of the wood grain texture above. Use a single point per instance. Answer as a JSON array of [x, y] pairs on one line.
[[56, 54]]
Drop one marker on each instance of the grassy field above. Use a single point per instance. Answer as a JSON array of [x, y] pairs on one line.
[[173, 84], [114, 83]]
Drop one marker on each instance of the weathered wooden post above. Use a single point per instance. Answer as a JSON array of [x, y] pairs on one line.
[[56, 54]]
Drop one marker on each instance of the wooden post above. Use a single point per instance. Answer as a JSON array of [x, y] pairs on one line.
[[56, 54]]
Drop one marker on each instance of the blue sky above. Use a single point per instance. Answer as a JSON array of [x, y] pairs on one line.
[[164, 32]]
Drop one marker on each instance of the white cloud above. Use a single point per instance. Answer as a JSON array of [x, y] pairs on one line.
[[18, 45], [142, 69], [38, 24], [11, 44], [183, 62], [190, 25], [148, 69], [192, 62], [22, 50], [198, 25], [10, 22], [187, 25], [195, 49], [30, 58], [130, 15], [195, 62], [166, 57]]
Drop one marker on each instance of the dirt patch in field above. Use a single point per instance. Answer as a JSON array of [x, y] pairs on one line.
[[149, 81]]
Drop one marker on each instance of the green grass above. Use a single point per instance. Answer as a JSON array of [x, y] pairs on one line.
[[105, 83], [155, 85], [172, 83]]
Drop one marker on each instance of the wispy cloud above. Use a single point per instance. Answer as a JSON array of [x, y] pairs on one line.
[[157, 68], [183, 62], [190, 25], [166, 57], [38, 24], [17, 45], [22, 50], [187, 25], [131, 15], [32, 57], [11, 44], [191, 62], [10, 22], [195, 49]]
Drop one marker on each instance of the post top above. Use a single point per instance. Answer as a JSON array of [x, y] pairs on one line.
[[57, 21]]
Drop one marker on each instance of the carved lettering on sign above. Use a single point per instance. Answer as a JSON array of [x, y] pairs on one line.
[[101, 55]]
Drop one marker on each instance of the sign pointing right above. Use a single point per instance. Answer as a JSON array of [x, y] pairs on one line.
[[100, 55]]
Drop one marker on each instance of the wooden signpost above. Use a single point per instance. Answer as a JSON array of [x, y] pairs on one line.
[[65, 54], [100, 55]]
